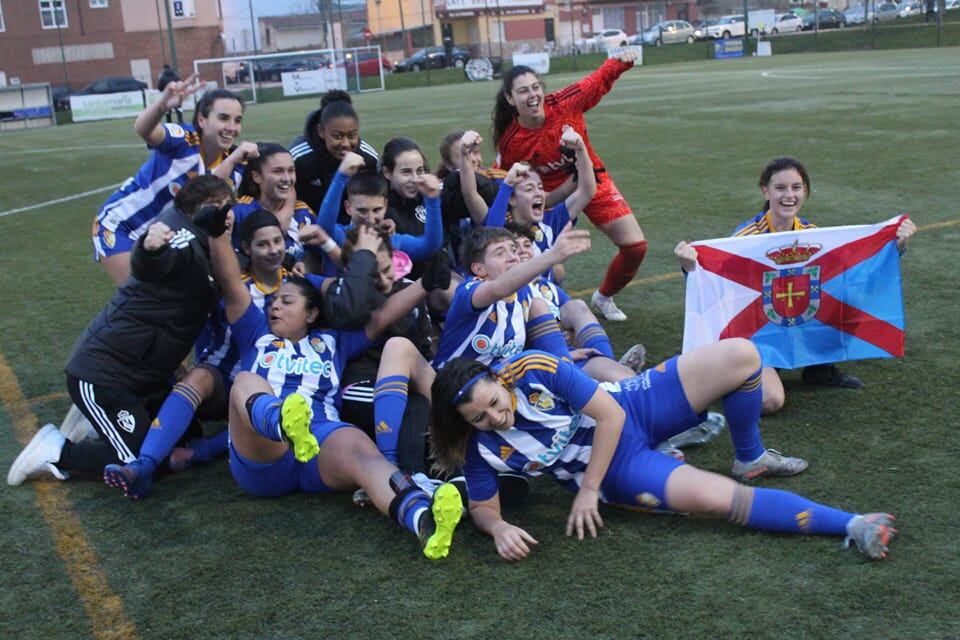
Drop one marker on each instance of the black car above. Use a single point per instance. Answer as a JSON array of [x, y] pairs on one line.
[[434, 58], [271, 71], [113, 84], [829, 19]]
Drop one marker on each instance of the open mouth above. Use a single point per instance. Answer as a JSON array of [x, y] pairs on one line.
[[537, 206]]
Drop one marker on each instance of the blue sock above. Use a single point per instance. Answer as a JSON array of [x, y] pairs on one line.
[[785, 512], [264, 412], [207, 449], [412, 505], [543, 332], [742, 409], [171, 423], [389, 405], [594, 336]]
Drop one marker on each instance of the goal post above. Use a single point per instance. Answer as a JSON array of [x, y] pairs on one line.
[[292, 74]]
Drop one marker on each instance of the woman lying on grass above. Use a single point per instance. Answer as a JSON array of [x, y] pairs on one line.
[[538, 414]]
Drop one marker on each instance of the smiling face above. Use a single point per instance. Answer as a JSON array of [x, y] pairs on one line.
[[221, 127], [490, 407], [266, 250], [524, 248], [289, 315], [786, 193], [340, 134], [526, 96], [276, 177], [366, 209], [499, 257], [407, 167], [528, 200]]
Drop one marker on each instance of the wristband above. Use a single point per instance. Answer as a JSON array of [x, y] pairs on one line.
[[329, 245]]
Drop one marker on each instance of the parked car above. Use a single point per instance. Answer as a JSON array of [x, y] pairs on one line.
[[858, 15], [734, 26], [433, 58], [907, 9], [786, 23], [886, 11], [668, 32], [951, 5], [828, 19], [367, 63], [112, 84], [603, 40], [700, 28]]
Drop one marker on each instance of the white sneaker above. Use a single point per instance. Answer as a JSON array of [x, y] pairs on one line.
[[39, 456], [427, 485], [76, 428], [635, 358], [607, 307]]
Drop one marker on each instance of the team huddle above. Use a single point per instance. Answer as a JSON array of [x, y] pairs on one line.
[[364, 325]]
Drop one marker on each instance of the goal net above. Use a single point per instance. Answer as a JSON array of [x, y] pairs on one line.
[[278, 76]]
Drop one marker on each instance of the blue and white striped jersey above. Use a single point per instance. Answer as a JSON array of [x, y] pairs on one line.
[[214, 346], [311, 366], [302, 216], [488, 334], [550, 435], [142, 197], [549, 292]]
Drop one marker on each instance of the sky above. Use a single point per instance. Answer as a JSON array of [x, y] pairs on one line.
[[236, 16]]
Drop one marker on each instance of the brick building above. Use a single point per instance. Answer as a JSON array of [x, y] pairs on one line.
[[73, 42]]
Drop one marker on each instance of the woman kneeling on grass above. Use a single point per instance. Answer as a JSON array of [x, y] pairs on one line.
[[285, 430], [537, 414]]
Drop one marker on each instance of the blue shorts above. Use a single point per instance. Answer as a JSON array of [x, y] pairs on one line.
[[110, 243], [287, 475], [656, 408]]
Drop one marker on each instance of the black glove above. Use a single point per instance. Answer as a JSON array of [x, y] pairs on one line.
[[437, 273], [212, 219]]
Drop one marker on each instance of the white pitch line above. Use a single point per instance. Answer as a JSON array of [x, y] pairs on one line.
[[26, 152], [77, 196]]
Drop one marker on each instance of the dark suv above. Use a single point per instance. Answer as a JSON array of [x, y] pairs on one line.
[[115, 84], [434, 58]]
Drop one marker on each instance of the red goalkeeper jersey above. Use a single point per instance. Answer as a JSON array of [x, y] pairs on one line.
[[541, 147]]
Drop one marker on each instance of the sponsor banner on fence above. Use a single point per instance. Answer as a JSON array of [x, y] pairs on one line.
[[127, 104], [728, 48], [539, 62], [298, 83]]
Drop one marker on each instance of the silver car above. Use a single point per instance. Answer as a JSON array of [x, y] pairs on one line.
[[669, 32]]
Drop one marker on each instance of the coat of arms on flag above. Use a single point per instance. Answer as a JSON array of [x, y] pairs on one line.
[[803, 297]]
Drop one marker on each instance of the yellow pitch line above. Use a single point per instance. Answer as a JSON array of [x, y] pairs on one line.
[[104, 608], [673, 275], [59, 395]]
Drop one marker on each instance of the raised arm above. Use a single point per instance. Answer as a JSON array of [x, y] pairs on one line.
[[686, 255], [226, 271], [597, 84], [569, 243], [243, 152], [330, 207], [586, 178], [497, 216], [469, 144], [148, 123]]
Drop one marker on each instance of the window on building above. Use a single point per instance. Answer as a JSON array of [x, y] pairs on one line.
[[613, 18], [53, 14], [99, 4]]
